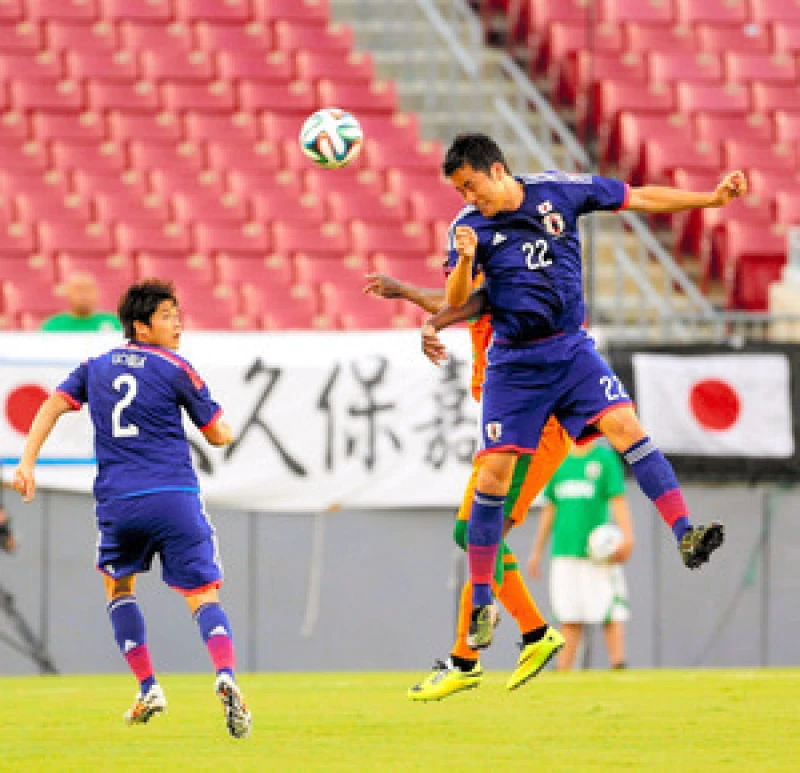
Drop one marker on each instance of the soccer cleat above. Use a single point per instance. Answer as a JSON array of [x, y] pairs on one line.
[[445, 679], [237, 717], [697, 544], [147, 706], [534, 657], [481, 626]]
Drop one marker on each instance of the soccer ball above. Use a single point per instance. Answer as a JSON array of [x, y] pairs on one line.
[[604, 542], [331, 138]]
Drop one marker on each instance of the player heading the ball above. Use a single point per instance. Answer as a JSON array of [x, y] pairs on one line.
[[147, 492]]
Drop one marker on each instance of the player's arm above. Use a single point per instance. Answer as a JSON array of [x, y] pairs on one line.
[[459, 283], [656, 199], [540, 540], [46, 417], [218, 433], [432, 347], [383, 286], [621, 513]]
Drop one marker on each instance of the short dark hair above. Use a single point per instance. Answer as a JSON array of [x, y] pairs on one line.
[[480, 151], [140, 302]]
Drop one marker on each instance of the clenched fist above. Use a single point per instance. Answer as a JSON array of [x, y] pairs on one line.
[[733, 186], [466, 242]]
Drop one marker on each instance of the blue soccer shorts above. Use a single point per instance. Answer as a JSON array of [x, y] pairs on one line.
[[526, 384], [170, 524]]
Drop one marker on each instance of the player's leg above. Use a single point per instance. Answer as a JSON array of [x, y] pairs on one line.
[[657, 480], [123, 549], [191, 565], [573, 634], [131, 636], [614, 634]]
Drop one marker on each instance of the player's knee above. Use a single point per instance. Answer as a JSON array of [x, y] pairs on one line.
[[622, 428], [495, 474], [195, 600], [124, 586]]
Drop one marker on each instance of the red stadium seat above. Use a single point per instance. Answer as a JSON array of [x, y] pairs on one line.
[[262, 66], [711, 98], [88, 127], [427, 273], [18, 268], [11, 10], [352, 310], [144, 237], [44, 66], [297, 10], [33, 206], [197, 269], [276, 205], [347, 271], [618, 11], [138, 35], [113, 207], [243, 238], [717, 12], [659, 156], [32, 294], [669, 67], [786, 206], [290, 36], [402, 154], [233, 127], [212, 10], [30, 156], [329, 239], [274, 271], [581, 70], [182, 158], [80, 36], [110, 95], [192, 66], [65, 96], [13, 127], [75, 10], [293, 312], [564, 38], [217, 96], [245, 183], [317, 65], [775, 96], [82, 238], [408, 240], [296, 97], [87, 182], [774, 10], [764, 183], [16, 238], [379, 97], [787, 125], [225, 156], [114, 273], [635, 129], [200, 206], [103, 65], [716, 39], [106, 157], [786, 37], [715, 128], [765, 68], [740, 154], [24, 37], [234, 37], [137, 10], [385, 209], [156, 127], [442, 206]]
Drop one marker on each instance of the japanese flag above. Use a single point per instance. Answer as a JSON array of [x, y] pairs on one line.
[[716, 405]]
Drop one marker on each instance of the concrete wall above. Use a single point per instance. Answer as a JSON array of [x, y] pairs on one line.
[[376, 590]]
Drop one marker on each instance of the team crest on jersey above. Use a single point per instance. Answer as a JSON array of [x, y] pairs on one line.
[[494, 430], [554, 223], [545, 207], [593, 470]]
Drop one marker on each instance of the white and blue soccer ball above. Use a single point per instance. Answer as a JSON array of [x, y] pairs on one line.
[[604, 541], [331, 138]]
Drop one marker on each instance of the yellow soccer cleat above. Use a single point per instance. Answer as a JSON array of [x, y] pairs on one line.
[[444, 680], [146, 706], [534, 657]]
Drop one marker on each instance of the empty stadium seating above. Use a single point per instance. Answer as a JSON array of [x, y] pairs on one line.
[[143, 137], [680, 91]]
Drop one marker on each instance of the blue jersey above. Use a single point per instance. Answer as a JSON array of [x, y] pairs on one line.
[[135, 395], [531, 258]]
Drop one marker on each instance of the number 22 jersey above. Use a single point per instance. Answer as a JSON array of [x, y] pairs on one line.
[[135, 395], [531, 257]]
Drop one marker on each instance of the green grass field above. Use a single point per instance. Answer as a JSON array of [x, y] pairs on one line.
[[639, 720]]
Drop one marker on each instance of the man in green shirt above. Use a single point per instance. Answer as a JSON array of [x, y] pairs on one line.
[[588, 490], [82, 317]]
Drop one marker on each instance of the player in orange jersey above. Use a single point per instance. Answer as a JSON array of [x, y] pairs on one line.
[[540, 642]]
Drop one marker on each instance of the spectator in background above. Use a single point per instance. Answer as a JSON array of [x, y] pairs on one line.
[[82, 316], [587, 489]]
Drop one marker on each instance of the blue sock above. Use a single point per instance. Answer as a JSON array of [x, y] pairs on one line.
[[216, 632], [131, 636], [484, 532], [657, 480]]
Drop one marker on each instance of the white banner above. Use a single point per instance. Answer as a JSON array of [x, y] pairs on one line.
[[734, 405], [321, 420]]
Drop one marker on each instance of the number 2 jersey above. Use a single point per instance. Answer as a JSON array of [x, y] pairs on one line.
[[136, 394], [531, 257]]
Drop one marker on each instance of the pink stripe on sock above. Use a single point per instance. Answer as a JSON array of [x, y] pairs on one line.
[[481, 563], [672, 506], [139, 662], [222, 654]]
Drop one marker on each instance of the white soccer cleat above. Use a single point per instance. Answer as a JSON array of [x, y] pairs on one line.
[[237, 717], [146, 706]]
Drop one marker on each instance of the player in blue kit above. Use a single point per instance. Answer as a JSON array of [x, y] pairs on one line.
[[522, 234], [147, 493]]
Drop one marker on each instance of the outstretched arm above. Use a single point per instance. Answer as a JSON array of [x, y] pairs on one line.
[[383, 286], [655, 199], [44, 421], [432, 347], [621, 513]]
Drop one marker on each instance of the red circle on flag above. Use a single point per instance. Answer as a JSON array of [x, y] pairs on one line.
[[714, 404], [22, 403]]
